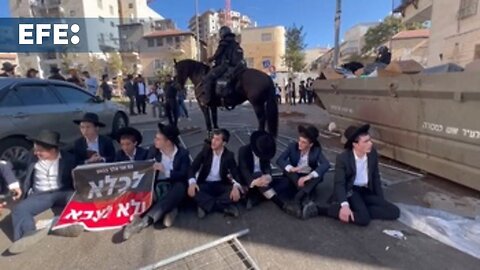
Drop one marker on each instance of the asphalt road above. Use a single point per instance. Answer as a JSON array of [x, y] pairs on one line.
[[275, 240]]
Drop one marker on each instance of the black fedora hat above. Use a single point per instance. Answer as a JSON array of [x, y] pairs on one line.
[[352, 132], [310, 132], [54, 70], [263, 144], [130, 131], [171, 132], [47, 137], [90, 117], [7, 66]]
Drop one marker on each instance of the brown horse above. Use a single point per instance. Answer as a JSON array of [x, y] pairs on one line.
[[252, 85]]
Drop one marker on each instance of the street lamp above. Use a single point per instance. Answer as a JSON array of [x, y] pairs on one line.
[[199, 51]]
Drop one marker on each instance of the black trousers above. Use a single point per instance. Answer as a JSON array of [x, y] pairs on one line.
[[171, 110], [176, 193], [24, 212], [141, 103], [131, 103], [367, 206], [309, 186], [214, 196]]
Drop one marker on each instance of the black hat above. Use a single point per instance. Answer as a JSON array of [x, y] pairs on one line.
[[7, 66], [263, 145], [352, 132], [47, 137], [54, 70], [32, 70], [171, 132], [131, 132], [90, 117], [310, 132]]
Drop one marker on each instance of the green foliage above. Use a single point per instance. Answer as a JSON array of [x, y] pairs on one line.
[[294, 57]]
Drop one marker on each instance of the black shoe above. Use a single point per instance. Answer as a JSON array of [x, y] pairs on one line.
[[201, 213], [231, 210], [293, 210], [310, 210], [136, 226]]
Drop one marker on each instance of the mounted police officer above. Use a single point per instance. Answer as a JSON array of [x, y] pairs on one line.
[[228, 58]]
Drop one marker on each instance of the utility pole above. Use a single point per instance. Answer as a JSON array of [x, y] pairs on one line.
[[337, 33], [199, 49]]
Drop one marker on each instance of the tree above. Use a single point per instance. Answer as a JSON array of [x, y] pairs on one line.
[[115, 64], [383, 32], [95, 66], [294, 57]]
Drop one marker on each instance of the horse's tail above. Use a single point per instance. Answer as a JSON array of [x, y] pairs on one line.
[[272, 112]]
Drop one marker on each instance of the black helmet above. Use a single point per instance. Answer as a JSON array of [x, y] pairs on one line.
[[382, 49], [224, 31]]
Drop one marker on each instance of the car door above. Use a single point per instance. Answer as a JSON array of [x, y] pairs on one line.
[[39, 108], [79, 101]]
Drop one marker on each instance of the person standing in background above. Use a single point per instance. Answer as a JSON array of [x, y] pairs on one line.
[[91, 83], [141, 94], [106, 88]]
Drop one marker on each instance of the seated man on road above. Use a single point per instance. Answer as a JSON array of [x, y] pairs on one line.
[[172, 162], [256, 170], [48, 183], [130, 139], [304, 165], [7, 176], [358, 190], [215, 188], [92, 147]]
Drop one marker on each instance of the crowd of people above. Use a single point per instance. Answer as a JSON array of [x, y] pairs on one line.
[[305, 92], [216, 181]]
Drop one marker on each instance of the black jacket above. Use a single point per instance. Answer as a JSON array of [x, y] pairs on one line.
[[66, 165], [316, 160], [130, 89], [181, 163], [345, 172], [246, 165], [203, 163], [140, 154], [105, 145], [57, 77], [225, 52]]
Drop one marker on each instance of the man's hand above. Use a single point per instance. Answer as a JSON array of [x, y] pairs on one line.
[[303, 179], [262, 181], [95, 158], [17, 193], [235, 194], [192, 190], [345, 214], [157, 166], [295, 169]]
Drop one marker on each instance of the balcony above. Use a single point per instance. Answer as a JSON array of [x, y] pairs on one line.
[[416, 10]]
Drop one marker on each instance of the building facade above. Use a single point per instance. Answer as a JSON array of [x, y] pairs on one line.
[[354, 40], [411, 45], [264, 47]]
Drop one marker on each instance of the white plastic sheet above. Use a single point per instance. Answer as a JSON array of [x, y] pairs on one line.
[[456, 231]]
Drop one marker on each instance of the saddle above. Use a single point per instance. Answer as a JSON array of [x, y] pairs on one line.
[[226, 84]]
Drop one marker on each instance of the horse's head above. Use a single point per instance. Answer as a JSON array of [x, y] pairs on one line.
[[189, 69]]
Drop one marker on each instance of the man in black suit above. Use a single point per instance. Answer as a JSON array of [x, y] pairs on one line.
[[92, 147], [131, 92], [48, 183], [172, 163], [255, 168], [141, 94], [130, 140], [304, 165], [171, 102], [358, 193], [215, 188]]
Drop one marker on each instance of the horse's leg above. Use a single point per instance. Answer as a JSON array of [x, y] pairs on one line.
[[206, 116], [215, 117], [261, 117]]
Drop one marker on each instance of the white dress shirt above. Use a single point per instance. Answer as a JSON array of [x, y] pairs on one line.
[[167, 162], [46, 175], [141, 89], [303, 164], [93, 145], [361, 177], [256, 164], [214, 175], [132, 157]]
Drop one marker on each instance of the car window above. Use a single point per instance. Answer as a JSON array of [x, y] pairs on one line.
[[11, 100], [72, 95], [36, 95]]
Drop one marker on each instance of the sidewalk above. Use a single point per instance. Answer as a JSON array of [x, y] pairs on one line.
[[304, 114]]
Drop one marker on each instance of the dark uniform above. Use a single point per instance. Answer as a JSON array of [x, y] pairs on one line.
[[171, 104]]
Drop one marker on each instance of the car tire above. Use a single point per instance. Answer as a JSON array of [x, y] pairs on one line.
[[16, 151], [119, 121]]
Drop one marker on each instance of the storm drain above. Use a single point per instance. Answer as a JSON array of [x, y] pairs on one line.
[[225, 253]]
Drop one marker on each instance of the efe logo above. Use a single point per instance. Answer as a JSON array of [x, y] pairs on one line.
[[59, 31]]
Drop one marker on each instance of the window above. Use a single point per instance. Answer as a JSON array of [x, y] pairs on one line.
[[467, 8], [101, 19], [169, 40], [72, 13], [159, 41], [72, 95], [11, 100], [266, 37], [250, 62], [151, 42], [32, 95], [157, 64], [111, 10], [112, 24], [177, 39], [477, 52], [100, 4], [130, 6]]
